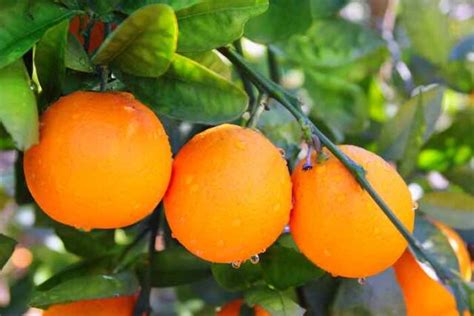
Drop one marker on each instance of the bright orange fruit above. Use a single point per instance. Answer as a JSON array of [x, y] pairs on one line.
[[230, 194], [103, 161], [337, 225], [233, 309], [117, 306]]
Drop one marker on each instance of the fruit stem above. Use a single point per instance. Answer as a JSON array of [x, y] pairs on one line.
[[291, 104]]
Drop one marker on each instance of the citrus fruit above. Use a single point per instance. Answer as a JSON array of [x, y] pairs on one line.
[[423, 296], [117, 306], [230, 194], [103, 161], [233, 309], [97, 33], [337, 225]]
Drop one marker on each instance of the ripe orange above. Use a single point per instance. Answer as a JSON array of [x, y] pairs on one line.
[[233, 309], [117, 306], [457, 243], [230, 194], [338, 226], [103, 161], [96, 35]]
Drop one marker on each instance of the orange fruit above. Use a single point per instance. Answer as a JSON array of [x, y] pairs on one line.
[[117, 306], [459, 247], [230, 194], [337, 225], [103, 161], [423, 296], [233, 309], [96, 35]]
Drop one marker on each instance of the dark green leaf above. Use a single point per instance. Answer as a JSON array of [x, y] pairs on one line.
[[233, 279], [326, 8], [20, 293], [285, 267], [274, 302], [319, 294], [18, 111], [462, 176], [50, 63], [86, 288], [189, 91], [23, 22], [456, 209], [459, 71], [175, 266], [379, 295], [401, 137], [76, 57], [143, 44], [201, 26], [427, 28], [128, 6], [7, 245], [282, 19]]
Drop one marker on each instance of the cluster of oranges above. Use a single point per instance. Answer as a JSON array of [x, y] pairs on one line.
[[104, 161]]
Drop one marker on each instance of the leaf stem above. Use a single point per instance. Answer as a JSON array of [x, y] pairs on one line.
[[273, 65]]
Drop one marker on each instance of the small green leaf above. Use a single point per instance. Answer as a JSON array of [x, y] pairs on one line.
[[86, 288], [76, 57], [175, 266], [128, 6], [283, 19], [7, 245], [456, 209], [380, 295], [23, 24], [201, 25], [189, 91], [143, 44], [285, 267], [462, 176], [18, 111], [49, 61], [233, 279], [274, 302]]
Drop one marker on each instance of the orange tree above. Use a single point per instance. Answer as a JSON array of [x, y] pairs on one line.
[[259, 211]]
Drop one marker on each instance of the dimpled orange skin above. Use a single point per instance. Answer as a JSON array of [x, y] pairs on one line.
[[423, 296], [459, 247], [230, 194], [233, 309], [338, 226], [118, 306], [103, 161]]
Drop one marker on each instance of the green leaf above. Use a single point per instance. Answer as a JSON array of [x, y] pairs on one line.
[[283, 19], [212, 61], [86, 244], [379, 295], [285, 267], [459, 71], [346, 49], [175, 266], [274, 302], [233, 279], [402, 137], [128, 6], [18, 111], [49, 61], [456, 209], [76, 57], [24, 23], [201, 26], [427, 28], [87, 288], [7, 246], [326, 8], [462, 176], [320, 293], [189, 91], [435, 243], [143, 44]]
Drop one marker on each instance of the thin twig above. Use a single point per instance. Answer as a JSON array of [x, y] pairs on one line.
[[273, 65]]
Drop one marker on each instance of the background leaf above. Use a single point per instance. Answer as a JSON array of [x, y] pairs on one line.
[[7, 245], [326, 8], [18, 111], [239, 279], [23, 24], [275, 302], [143, 44], [189, 91], [200, 26], [76, 57]]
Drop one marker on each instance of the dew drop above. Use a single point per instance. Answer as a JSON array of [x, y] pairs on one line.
[[334, 275], [282, 152], [240, 145], [236, 264], [220, 243], [254, 259], [173, 235], [415, 205], [361, 281], [327, 253]]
